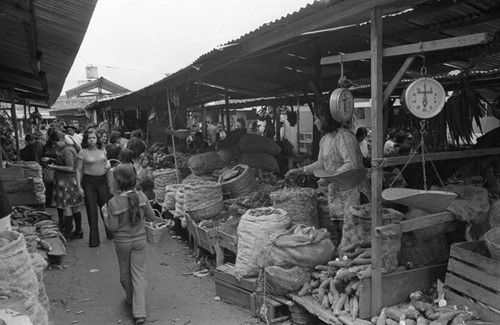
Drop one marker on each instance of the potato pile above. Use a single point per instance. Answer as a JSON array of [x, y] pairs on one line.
[[335, 285], [421, 311]]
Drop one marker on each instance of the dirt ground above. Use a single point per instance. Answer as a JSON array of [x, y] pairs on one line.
[[87, 289]]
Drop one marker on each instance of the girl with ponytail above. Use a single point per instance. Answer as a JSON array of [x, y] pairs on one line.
[[126, 213]]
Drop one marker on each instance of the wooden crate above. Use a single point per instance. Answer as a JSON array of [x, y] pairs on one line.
[[226, 273], [191, 230], [277, 308], [396, 287], [472, 274], [206, 237], [232, 293], [227, 236], [230, 289]]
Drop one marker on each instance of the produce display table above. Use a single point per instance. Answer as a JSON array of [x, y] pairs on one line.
[[325, 315], [396, 288]]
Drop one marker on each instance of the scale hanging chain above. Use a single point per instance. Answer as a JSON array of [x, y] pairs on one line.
[[422, 145], [423, 70]]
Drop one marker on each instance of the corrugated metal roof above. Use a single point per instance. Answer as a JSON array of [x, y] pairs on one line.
[[279, 59], [38, 44]]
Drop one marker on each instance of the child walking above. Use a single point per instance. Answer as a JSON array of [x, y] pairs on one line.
[[144, 170], [126, 213]]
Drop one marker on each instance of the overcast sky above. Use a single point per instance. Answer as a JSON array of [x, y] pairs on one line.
[[134, 43]]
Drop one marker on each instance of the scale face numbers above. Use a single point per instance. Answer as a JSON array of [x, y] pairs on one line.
[[424, 97], [342, 104]]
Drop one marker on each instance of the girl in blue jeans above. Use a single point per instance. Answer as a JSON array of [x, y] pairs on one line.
[[125, 217]]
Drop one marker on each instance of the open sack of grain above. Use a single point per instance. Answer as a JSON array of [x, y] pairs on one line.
[[299, 202], [238, 181]]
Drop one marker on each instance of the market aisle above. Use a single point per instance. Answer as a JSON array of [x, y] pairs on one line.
[[90, 284]]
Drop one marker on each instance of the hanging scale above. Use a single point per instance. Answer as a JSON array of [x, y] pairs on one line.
[[424, 97], [342, 99]]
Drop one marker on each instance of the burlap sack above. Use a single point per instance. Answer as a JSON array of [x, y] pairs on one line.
[[298, 246], [257, 143], [18, 276], [254, 230], [259, 160], [300, 204], [357, 229], [205, 163], [471, 205], [281, 281]]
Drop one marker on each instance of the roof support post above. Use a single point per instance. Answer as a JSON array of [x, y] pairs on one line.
[[228, 117], [14, 122], [377, 152]]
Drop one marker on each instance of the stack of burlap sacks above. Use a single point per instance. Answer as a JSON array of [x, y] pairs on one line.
[[282, 241], [252, 150], [21, 276]]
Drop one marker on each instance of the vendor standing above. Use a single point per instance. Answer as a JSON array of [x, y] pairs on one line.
[[338, 152]]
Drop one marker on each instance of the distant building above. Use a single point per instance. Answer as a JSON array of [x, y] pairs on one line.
[[72, 106]]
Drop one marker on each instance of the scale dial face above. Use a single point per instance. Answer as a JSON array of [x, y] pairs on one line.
[[342, 104], [424, 97]]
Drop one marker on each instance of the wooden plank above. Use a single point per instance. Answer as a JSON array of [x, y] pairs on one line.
[[415, 48], [206, 238], [11, 173], [226, 273], [485, 313], [275, 309], [309, 304], [473, 274], [377, 151], [232, 293], [19, 185], [483, 263], [418, 223], [435, 156], [472, 290], [396, 287], [395, 80]]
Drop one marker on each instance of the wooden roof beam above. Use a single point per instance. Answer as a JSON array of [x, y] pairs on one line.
[[436, 45], [31, 40], [38, 81], [7, 9]]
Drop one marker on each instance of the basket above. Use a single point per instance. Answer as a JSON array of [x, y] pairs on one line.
[[492, 240], [154, 235], [242, 185], [207, 212]]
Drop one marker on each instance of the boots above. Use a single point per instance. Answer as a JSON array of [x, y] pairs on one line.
[[60, 215], [68, 227], [77, 216]]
